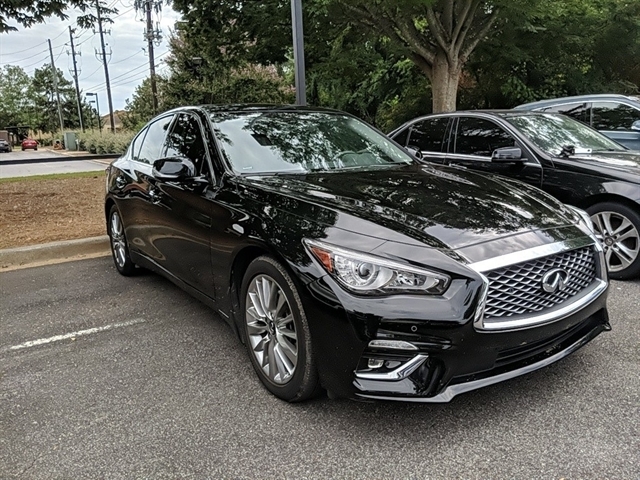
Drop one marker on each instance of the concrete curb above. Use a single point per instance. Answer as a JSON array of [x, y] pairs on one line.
[[55, 252]]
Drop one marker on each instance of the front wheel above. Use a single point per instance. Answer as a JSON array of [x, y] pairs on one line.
[[277, 332], [618, 228], [119, 247]]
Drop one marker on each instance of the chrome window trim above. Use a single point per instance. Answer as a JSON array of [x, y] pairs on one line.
[[577, 302]]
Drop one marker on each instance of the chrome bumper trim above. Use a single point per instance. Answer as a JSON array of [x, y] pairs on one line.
[[454, 390], [403, 371]]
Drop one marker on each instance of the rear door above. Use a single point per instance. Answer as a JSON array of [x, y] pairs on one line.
[[144, 224], [182, 209], [475, 139], [131, 184]]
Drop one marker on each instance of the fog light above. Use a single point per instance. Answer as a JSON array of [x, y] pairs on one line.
[[375, 363], [392, 344]]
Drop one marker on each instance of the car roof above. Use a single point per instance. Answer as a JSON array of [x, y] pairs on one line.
[[579, 98], [259, 107]]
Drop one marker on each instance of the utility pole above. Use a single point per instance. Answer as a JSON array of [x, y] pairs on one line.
[[106, 68], [151, 35], [75, 78], [298, 51], [54, 74]]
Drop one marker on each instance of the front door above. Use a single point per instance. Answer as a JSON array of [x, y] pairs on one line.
[[616, 120], [476, 139]]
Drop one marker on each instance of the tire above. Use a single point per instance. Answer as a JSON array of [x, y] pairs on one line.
[[119, 245], [617, 227], [284, 362], [35, 149]]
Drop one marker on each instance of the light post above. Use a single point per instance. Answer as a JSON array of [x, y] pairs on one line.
[[298, 51], [95, 95]]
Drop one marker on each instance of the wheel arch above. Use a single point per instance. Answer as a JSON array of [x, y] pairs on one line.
[[241, 261], [609, 197], [108, 204]]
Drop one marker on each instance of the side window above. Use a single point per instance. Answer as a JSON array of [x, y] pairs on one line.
[[613, 116], [136, 144], [429, 135], [151, 147], [401, 137], [578, 111], [185, 140], [480, 137]]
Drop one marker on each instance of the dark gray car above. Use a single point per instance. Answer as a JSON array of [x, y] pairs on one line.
[[617, 116]]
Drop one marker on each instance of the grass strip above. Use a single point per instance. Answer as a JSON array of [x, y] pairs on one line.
[[53, 176]]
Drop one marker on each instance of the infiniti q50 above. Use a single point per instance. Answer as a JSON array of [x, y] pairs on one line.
[[345, 264]]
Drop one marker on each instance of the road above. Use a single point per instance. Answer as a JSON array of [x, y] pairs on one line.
[[71, 166], [172, 394]]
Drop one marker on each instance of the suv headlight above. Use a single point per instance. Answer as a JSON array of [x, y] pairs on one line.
[[371, 275]]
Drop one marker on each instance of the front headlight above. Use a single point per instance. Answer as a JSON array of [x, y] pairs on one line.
[[585, 217], [371, 275]]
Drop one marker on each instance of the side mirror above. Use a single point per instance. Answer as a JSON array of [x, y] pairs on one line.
[[415, 152], [636, 126], [174, 169], [507, 155]]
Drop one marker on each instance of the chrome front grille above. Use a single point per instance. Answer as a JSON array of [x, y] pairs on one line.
[[517, 289]]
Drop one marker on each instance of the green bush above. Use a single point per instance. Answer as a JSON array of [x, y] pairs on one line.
[[106, 142]]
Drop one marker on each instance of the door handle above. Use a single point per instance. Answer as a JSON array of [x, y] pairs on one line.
[[155, 196], [120, 182]]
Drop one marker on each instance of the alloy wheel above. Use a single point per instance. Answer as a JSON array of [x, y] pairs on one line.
[[271, 329], [118, 240], [619, 238]]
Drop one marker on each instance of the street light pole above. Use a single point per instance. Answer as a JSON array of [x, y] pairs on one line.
[[298, 51], [95, 95]]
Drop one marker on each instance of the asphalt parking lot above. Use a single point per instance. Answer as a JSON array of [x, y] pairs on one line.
[[155, 385]]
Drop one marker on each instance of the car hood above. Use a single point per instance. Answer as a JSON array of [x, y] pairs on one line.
[[624, 162], [442, 207]]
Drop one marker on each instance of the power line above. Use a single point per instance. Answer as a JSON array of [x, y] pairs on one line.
[[130, 56]]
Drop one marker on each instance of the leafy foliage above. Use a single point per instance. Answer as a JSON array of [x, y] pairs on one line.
[[31, 101], [95, 142], [28, 13]]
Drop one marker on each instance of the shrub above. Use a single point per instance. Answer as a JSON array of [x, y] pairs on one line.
[[107, 142]]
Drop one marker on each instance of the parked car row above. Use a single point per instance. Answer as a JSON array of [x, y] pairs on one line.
[[562, 156], [616, 116], [347, 264]]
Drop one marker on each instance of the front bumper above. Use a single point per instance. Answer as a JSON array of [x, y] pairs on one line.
[[450, 357]]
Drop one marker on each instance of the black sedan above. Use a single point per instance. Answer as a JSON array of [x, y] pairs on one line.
[[344, 264], [562, 156]]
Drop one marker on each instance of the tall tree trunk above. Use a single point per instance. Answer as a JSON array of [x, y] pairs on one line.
[[444, 77]]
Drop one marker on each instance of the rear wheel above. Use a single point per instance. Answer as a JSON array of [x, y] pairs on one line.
[[277, 333], [618, 229], [119, 246]]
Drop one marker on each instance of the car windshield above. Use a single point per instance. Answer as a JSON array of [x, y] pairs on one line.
[[268, 142], [552, 133]]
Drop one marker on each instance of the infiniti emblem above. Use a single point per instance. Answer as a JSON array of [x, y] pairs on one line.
[[555, 280]]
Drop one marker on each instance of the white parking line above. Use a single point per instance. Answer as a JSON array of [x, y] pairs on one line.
[[66, 336]]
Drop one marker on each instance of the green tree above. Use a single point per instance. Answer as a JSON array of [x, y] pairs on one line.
[[45, 101], [29, 12], [16, 93], [439, 36]]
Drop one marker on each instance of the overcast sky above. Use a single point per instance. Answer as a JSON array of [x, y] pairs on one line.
[[128, 66]]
